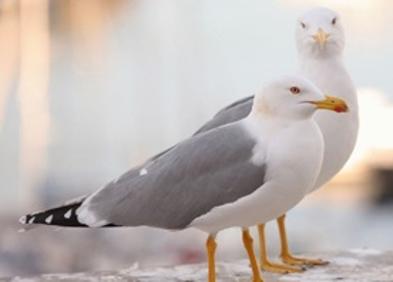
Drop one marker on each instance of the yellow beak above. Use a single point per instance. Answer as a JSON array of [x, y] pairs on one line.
[[321, 37], [331, 103]]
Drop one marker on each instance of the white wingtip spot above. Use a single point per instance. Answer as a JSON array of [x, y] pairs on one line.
[[68, 214], [23, 220], [87, 217], [49, 219], [31, 220], [143, 171]]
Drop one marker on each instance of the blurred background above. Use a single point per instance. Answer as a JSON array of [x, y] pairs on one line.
[[90, 88]]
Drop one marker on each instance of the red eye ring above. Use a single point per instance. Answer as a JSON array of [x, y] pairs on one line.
[[295, 90]]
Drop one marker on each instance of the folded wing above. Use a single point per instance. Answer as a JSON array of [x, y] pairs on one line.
[[203, 172]]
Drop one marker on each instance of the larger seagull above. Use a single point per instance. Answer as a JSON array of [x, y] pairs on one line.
[[238, 174], [320, 43]]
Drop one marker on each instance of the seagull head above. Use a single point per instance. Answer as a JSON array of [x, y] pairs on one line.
[[319, 33], [294, 97]]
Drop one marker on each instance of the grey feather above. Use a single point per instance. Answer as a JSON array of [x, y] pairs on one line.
[[234, 112], [198, 174], [231, 113]]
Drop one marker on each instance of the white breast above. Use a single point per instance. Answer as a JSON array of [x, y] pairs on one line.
[[293, 164], [340, 134], [339, 130]]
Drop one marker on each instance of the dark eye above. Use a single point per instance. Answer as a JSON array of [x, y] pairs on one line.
[[334, 21], [303, 25], [294, 90]]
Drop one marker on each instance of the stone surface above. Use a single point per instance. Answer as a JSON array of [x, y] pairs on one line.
[[360, 265]]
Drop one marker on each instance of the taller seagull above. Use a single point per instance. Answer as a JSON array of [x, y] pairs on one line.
[[320, 43]]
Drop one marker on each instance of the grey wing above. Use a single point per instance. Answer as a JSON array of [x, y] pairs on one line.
[[234, 112], [203, 172]]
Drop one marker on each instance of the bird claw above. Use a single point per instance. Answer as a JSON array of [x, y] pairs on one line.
[[280, 268], [291, 260]]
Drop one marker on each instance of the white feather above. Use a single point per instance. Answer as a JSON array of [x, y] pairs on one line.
[[288, 179]]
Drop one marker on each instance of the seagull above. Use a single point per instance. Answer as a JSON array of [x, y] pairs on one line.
[[236, 175], [320, 43]]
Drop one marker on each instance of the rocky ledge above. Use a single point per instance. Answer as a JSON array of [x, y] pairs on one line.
[[360, 265]]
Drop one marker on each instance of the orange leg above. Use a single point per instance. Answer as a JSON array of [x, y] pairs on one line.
[[265, 263], [211, 251], [286, 255], [247, 240]]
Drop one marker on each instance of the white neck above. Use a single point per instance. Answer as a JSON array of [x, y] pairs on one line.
[[309, 64], [261, 122], [331, 76]]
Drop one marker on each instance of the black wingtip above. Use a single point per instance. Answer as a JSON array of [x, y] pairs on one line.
[[61, 216], [65, 215]]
